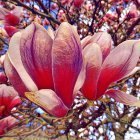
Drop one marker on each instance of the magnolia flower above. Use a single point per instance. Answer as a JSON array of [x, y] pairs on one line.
[[44, 67], [133, 12], [104, 66], [49, 69], [54, 6], [8, 100], [6, 124], [11, 19]]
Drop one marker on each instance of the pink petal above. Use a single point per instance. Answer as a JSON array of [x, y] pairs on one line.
[[80, 80], [133, 71], [14, 77], [8, 99], [49, 101], [10, 30], [120, 62], [93, 60], [103, 39], [85, 41], [124, 98], [51, 32], [3, 78], [78, 3], [35, 51], [11, 20], [67, 62], [3, 13], [15, 102], [15, 59], [7, 124]]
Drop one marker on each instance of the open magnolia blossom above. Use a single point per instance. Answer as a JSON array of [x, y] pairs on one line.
[[8, 100], [104, 66], [11, 19], [44, 67], [49, 69], [6, 124]]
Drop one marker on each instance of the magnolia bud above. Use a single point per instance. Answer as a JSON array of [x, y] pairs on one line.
[[54, 6], [10, 30]]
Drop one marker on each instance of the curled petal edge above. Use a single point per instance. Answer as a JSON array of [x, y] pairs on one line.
[[123, 98], [48, 101], [17, 63]]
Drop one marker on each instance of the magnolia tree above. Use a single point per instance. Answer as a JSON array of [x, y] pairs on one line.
[[70, 69]]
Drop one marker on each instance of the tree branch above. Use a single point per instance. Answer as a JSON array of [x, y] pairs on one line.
[[43, 15], [130, 30]]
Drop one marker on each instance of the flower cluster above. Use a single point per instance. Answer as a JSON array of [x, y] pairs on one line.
[[51, 68], [11, 19]]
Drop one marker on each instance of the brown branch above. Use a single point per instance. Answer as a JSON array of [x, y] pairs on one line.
[[23, 134], [42, 6], [94, 14], [43, 15], [130, 30], [45, 10]]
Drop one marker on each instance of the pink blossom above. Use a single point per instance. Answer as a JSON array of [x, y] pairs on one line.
[[45, 67], [78, 3], [45, 22], [6, 124], [49, 69], [112, 16], [10, 30], [89, 6], [8, 99], [54, 6], [11, 19], [104, 66]]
